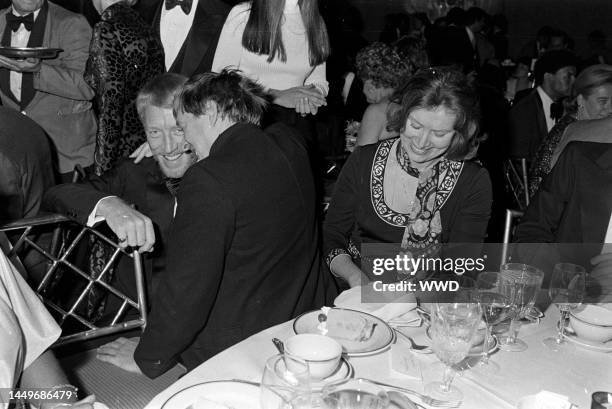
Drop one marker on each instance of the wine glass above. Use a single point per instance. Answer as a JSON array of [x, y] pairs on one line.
[[566, 291], [520, 283], [495, 308], [354, 394], [453, 325], [285, 383]]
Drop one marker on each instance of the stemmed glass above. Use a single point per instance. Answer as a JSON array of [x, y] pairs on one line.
[[566, 291], [520, 283], [495, 308], [285, 383], [453, 325]]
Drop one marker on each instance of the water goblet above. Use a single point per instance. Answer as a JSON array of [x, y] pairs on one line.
[[453, 325], [566, 291], [520, 283], [285, 383], [495, 308]]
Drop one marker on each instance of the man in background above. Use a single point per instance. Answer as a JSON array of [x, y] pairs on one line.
[[50, 91]]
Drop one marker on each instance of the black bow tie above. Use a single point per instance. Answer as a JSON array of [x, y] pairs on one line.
[[556, 110], [185, 5], [14, 21]]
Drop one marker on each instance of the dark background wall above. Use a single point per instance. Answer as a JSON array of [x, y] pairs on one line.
[[577, 17]]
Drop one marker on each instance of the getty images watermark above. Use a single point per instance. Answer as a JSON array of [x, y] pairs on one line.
[[404, 265]]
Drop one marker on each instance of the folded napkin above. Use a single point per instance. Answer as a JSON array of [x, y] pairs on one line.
[[545, 400], [392, 308]]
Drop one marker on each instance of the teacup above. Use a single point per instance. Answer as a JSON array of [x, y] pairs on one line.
[[601, 400], [321, 352], [590, 331]]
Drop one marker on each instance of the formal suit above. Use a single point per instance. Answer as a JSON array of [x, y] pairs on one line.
[[62, 101], [573, 204], [243, 252], [25, 165], [139, 184], [527, 126], [198, 50]]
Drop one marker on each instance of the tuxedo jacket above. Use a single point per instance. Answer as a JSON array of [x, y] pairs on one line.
[[141, 185], [197, 53], [574, 203], [527, 126], [62, 102], [243, 251]]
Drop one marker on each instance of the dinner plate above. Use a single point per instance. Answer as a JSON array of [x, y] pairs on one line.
[[232, 394], [30, 52], [344, 371], [381, 337]]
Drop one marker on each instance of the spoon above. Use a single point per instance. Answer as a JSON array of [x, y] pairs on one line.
[[279, 345], [422, 349]]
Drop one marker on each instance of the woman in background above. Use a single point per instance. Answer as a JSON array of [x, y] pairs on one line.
[[125, 53], [593, 90], [381, 70], [282, 44]]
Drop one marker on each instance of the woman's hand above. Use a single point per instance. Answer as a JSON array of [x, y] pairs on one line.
[[305, 100], [143, 151], [343, 267]]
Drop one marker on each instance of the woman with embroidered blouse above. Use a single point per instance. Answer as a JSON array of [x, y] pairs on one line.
[[415, 190], [282, 44]]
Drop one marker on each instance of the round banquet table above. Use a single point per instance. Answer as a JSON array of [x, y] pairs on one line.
[[576, 373]]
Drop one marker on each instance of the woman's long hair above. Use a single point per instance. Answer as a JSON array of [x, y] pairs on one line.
[[262, 34]]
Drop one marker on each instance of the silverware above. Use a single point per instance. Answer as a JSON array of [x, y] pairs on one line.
[[428, 400], [421, 349], [279, 345]]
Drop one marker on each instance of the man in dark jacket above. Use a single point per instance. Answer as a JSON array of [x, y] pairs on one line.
[[243, 252]]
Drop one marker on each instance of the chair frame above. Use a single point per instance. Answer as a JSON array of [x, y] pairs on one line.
[[517, 181], [511, 215], [57, 256]]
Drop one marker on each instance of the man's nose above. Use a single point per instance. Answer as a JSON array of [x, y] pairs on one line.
[[170, 144]]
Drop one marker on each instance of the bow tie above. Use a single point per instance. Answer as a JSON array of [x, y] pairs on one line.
[[14, 21], [556, 110], [184, 4]]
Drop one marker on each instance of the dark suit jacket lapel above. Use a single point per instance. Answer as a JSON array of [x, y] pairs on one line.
[[198, 50], [541, 117]]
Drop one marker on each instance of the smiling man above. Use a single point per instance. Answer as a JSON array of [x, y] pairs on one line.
[[136, 200]]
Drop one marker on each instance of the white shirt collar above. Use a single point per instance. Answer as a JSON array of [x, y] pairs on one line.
[[19, 15], [547, 101]]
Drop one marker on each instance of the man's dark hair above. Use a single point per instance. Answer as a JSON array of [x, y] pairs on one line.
[[238, 98], [456, 16], [553, 61], [474, 14]]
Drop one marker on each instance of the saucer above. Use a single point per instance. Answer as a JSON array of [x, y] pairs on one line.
[[344, 371], [587, 344]]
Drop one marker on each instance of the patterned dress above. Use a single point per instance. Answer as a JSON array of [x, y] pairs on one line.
[[541, 165], [124, 54]]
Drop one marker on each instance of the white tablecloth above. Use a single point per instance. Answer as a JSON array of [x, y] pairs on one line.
[[575, 374]]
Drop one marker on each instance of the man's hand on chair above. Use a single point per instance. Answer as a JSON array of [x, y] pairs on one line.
[[120, 353], [131, 227]]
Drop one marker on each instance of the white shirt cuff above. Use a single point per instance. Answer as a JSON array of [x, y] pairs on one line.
[[92, 220]]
